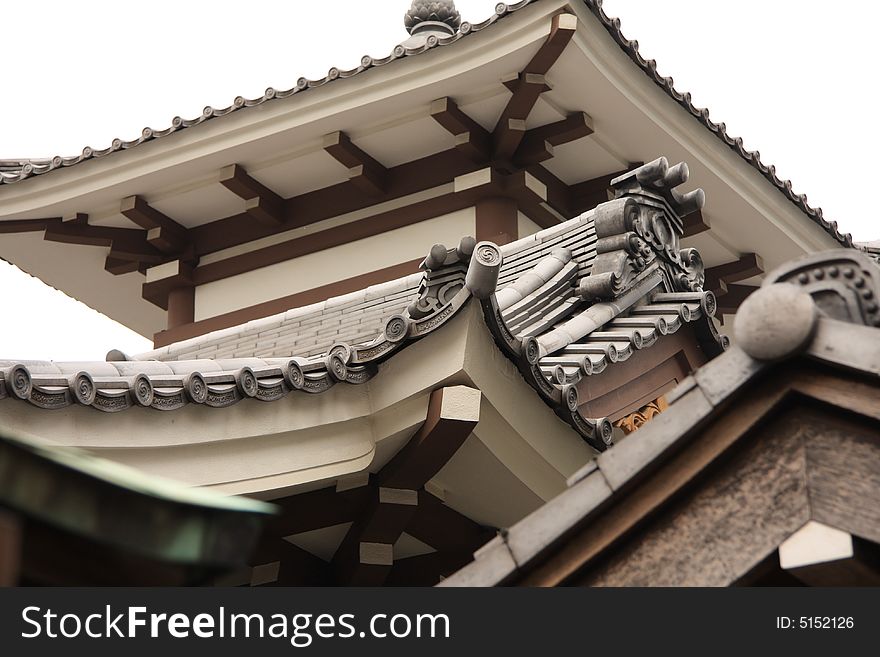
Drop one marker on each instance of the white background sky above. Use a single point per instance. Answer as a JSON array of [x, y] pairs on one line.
[[796, 80]]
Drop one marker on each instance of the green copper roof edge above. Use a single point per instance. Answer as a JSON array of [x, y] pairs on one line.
[[122, 476]]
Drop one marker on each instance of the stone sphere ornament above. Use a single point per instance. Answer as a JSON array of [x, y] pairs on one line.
[[775, 322]]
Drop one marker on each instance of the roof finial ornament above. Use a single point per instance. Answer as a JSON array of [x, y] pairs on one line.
[[438, 17]]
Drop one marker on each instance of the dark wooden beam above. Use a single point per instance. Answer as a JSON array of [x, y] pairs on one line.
[[695, 223], [445, 529], [748, 265], [311, 207], [588, 194], [427, 569], [364, 172], [452, 414], [496, 220], [77, 218], [532, 196], [27, 225], [537, 144], [264, 205], [508, 135], [471, 139], [366, 554], [126, 244], [562, 29], [731, 300], [117, 266], [298, 567], [382, 510], [10, 548], [559, 196], [317, 509], [528, 85], [174, 291], [264, 211], [162, 232]]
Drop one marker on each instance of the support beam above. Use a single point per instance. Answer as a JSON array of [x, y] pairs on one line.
[[732, 299], [496, 219], [366, 554], [695, 223], [181, 306], [27, 225], [511, 126], [427, 569], [471, 139], [588, 194], [164, 233], [317, 509], [77, 218], [528, 85], [129, 249], [117, 266], [297, 567], [445, 529], [381, 508], [748, 265], [538, 143], [10, 548], [174, 278], [562, 29], [532, 196], [363, 171], [311, 207], [264, 205], [264, 211], [453, 413]]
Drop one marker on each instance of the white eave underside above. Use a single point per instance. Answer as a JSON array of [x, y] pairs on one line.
[[386, 112]]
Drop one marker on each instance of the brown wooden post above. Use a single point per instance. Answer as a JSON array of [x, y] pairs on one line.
[[10, 549], [181, 306], [497, 220]]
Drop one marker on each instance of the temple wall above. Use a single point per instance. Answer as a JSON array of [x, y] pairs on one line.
[[525, 226], [333, 264]]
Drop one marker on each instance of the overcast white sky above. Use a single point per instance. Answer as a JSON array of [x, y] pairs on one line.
[[796, 80]]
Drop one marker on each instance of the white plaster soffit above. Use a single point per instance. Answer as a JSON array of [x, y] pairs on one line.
[[213, 144]]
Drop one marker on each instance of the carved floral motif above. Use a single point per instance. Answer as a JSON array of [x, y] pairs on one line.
[[633, 421]]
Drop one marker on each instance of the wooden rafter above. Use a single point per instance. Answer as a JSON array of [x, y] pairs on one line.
[[364, 171], [366, 554], [317, 509], [26, 225], [732, 299], [261, 203], [426, 569], [588, 194], [719, 278], [537, 144], [390, 503], [129, 249], [471, 139], [444, 529], [528, 85], [164, 233], [695, 223], [452, 415], [119, 266]]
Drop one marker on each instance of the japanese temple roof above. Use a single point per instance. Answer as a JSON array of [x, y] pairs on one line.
[[17, 170], [565, 303], [76, 492], [820, 309]]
